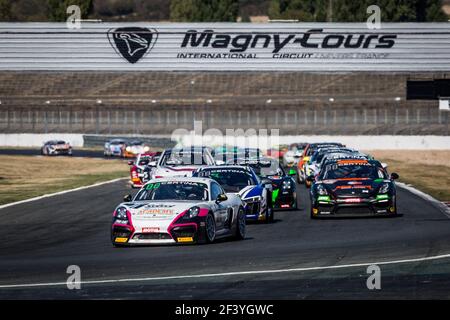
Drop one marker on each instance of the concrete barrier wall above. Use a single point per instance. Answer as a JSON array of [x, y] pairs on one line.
[[154, 141], [386, 142], [37, 140]]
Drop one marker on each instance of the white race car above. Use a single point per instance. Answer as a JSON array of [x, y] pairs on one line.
[[178, 210], [181, 162]]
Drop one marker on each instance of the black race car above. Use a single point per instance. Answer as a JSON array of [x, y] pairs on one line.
[[353, 187], [284, 194]]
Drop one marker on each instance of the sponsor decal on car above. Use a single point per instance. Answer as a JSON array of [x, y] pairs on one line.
[[185, 239], [154, 212], [150, 230], [324, 198], [352, 200], [382, 197]]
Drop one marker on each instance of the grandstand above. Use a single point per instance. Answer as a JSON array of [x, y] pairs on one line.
[[159, 102], [81, 81]]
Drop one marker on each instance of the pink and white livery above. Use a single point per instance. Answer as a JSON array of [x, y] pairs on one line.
[[178, 210], [181, 162]]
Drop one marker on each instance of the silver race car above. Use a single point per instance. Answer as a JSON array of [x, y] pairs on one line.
[[178, 210]]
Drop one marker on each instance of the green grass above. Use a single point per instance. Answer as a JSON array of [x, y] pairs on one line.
[[431, 179], [31, 191]]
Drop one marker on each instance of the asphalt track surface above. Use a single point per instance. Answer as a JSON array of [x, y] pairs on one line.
[[40, 239], [36, 152]]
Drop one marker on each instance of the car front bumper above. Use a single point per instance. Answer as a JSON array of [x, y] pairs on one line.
[[285, 200], [361, 207], [184, 233]]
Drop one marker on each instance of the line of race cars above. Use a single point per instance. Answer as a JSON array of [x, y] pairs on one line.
[[124, 148], [198, 194]]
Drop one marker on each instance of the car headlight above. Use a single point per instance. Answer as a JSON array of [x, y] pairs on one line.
[[121, 215], [192, 213], [128, 149], [321, 190], [384, 188], [146, 149], [287, 184]]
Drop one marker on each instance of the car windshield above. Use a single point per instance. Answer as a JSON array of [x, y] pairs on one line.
[[144, 160], [231, 180], [185, 158], [362, 170], [250, 153], [173, 190], [114, 142], [227, 156], [266, 168]]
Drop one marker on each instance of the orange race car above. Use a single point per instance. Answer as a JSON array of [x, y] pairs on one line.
[[133, 148], [307, 152]]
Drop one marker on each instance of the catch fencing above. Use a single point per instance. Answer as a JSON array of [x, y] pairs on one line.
[[406, 119]]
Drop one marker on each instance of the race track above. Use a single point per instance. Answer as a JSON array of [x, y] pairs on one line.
[[40, 239], [85, 153]]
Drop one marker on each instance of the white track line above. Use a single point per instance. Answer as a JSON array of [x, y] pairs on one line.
[[59, 193], [226, 274]]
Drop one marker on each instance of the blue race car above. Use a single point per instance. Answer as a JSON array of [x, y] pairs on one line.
[[256, 193], [284, 195]]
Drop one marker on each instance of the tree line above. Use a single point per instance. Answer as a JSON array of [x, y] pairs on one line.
[[224, 10]]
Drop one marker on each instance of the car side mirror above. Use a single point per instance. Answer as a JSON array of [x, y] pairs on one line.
[[221, 197], [152, 164], [394, 176], [310, 178], [127, 198], [130, 162]]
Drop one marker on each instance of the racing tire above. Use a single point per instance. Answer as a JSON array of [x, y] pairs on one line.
[[269, 215], [239, 233], [269, 210], [295, 206], [297, 176], [300, 179], [312, 216], [395, 210], [210, 228]]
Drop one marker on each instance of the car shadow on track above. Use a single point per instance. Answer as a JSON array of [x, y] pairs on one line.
[[263, 223], [171, 245], [399, 215]]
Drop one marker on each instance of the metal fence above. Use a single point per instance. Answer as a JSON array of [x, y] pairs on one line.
[[291, 119]]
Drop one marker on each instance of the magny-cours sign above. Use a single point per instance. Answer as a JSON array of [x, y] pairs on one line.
[[226, 47]]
